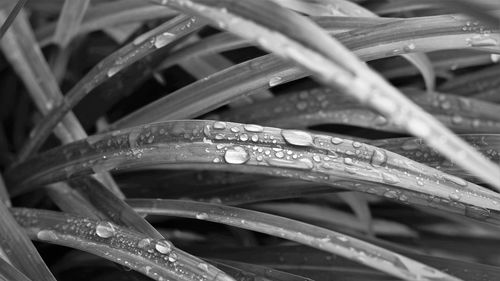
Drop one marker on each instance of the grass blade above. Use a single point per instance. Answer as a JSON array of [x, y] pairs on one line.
[[8, 272], [69, 21], [334, 65], [303, 233], [24, 54], [262, 150], [317, 106], [19, 249], [11, 17], [130, 53], [108, 14], [157, 259]]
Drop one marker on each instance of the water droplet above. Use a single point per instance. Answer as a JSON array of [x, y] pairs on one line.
[[477, 212], [337, 140], [298, 138], [390, 178], [163, 246], [253, 128], [457, 119], [113, 70], [495, 58], [243, 137], [356, 144], [255, 138], [220, 125], [203, 266], [455, 197], [202, 216], [302, 163], [455, 180], [275, 81], [348, 161], [280, 154], [105, 230], [379, 158], [143, 243], [235, 129], [236, 155], [163, 39], [483, 41], [46, 235], [172, 257]]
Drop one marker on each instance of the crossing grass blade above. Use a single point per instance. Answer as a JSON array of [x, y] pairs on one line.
[[157, 259], [69, 21], [317, 106], [24, 54], [262, 150], [310, 235], [21, 253], [125, 56], [333, 64]]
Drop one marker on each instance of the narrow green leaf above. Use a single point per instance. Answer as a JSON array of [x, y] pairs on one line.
[[10, 273], [157, 259], [143, 45], [22, 51], [303, 233], [69, 21], [19, 249], [263, 150]]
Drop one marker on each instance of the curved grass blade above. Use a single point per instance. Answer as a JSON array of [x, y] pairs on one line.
[[10, 273], [69, 21], [333, 219], [298, 39], [347, 8], [291, 258], [251, 272], [157, 259], [143, 45], [476, 83], [303, 233], [263, 150], [107, 14], [317, 106], [18, 248], [11, 17], [415, 149], [4, 195], [24, 54]]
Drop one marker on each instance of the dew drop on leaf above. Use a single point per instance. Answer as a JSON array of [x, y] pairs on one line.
[[163, 247], [275, 81], [105, 230], [236, 155], [296, 137], [253, 128], [390, 178]]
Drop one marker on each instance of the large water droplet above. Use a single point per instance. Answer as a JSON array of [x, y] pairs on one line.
[[455, 180], [390, 178], [46, 235], [220, 125], [236, 155], [253, 128], [105, 230], [202, 216], [163, 246], [495, 58], [163, 39], [303, 163], [275, 81], [379, 158], [337, 140], [298, 138]]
